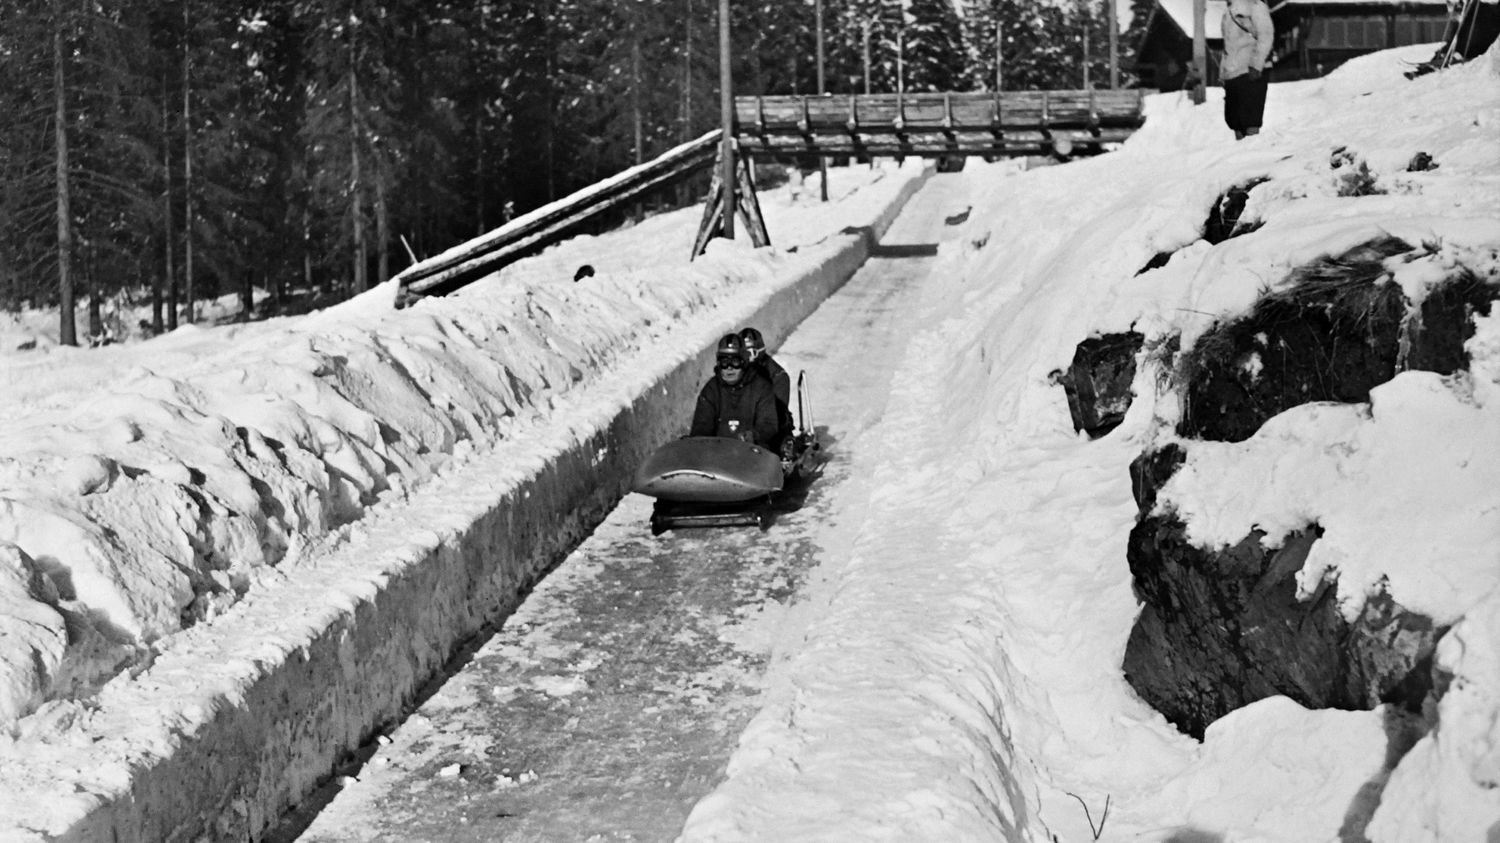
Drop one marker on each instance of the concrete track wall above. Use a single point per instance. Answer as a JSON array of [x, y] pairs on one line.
[[288, 708]]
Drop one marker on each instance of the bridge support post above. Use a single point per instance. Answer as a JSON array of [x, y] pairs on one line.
[[718, 216]]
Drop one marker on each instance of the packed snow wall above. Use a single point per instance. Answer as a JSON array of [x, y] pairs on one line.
[[293, 683]]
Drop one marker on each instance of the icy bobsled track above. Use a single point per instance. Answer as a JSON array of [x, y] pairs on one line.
[[609, 702]]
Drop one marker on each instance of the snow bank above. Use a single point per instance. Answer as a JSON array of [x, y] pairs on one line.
[[285, 528]]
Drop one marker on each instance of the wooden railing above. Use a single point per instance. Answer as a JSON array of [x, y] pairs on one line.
[[936, 124], [473, 259]]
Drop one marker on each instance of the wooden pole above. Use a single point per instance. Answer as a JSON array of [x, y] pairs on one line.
[[726, 120], [1085, 11], [1200, 50], [189, 294], [866, 54], [999, 53], [901, 58], [1111, 13], [822, 162], [67, 327]]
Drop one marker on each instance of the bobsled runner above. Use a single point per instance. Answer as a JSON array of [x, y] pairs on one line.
[[713, 481]]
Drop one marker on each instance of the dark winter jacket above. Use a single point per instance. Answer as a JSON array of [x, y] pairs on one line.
[[781, 387], [746, 410]]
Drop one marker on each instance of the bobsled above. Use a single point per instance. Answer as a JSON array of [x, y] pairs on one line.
[[714, 481]]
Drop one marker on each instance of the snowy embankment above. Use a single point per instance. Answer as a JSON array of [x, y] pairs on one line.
[[231, 553], [960, 675]]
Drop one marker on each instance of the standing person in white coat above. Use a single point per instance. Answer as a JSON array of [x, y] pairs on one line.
[[1247, 46]]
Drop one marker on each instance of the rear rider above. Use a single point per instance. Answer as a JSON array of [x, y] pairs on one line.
[[781, 382], [736, 402]]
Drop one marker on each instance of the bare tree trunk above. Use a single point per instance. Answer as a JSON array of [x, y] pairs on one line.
[[247, 295], [189, 304], [92, 284], [687, 74], [307, 261], [67, 330], [167, 231], [9, 283], [687, 89], [356, 214], [550, 127], [382, 234], [479, 175], [638, 208], [308, 286]]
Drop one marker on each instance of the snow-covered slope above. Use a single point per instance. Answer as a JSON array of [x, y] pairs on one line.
[[962, 679]]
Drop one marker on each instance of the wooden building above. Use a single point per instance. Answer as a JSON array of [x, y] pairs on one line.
[[1164, 58], [1312, 36]]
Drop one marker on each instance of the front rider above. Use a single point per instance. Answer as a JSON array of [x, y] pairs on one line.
[[736, 402]]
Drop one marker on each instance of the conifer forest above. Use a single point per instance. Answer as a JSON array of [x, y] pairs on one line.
[[302, 151]]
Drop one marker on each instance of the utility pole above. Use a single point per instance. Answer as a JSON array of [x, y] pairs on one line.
[[867, 55], [1085, 9], [1112, 13], [901, 59], [1200, 50], [726, 121], [999, 52], [822, 162]]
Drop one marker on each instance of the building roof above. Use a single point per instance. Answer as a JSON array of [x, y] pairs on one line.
[[1277, 4], [1180, 12]]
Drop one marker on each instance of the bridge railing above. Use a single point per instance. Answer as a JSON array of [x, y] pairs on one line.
[[934, 124]]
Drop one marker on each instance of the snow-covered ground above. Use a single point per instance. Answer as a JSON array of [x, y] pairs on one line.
[[959, 678]]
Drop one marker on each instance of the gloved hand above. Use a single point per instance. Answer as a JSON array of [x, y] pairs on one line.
[[1254, 74]]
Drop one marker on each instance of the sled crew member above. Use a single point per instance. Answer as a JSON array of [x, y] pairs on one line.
[[736, 402], [781, 382], [1247, 45]]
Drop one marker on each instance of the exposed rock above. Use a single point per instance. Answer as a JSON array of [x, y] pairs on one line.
[[1421, 162], [1338, 331], [1437, 333], [1158, 260], [1224, 217], [1221, 629], [1098, 381]]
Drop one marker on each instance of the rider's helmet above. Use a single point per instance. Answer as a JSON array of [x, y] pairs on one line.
[[732, 350], [755, 344]]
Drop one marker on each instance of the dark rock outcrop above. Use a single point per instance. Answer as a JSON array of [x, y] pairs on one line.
[[1334, 335], [1224, 217], [1158, 260], [1436, 336], [1098, 381], [1221, 629]]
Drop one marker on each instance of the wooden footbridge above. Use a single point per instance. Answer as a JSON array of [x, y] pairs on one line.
[[933, 125], [1059, 123]]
